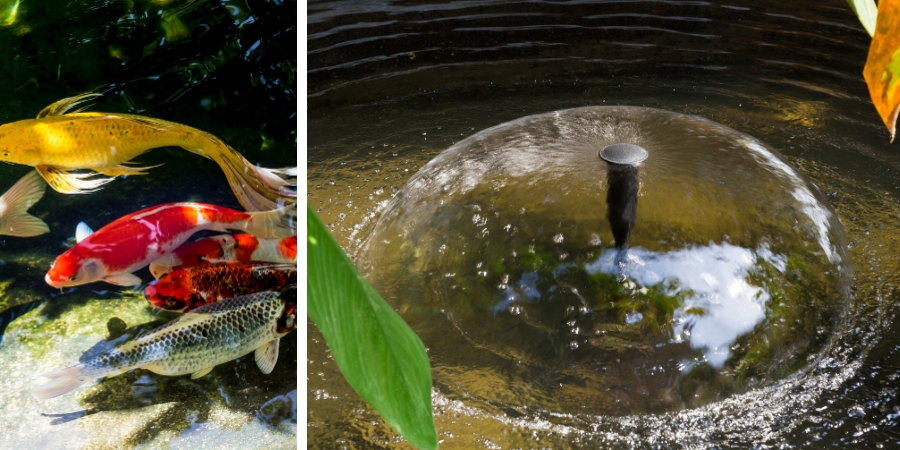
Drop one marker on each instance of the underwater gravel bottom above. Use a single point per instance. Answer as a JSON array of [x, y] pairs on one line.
[[235, 406]]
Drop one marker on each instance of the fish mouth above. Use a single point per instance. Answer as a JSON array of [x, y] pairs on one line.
[[57, 284]]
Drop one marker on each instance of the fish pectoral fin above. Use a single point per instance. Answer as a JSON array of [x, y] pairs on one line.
[[115, 171], [123, 279], [60, 107], [267, 355], [71, 183], [16, 201], [82, 230], [201, 372]]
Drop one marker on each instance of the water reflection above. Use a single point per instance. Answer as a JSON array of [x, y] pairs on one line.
[[719, 303]]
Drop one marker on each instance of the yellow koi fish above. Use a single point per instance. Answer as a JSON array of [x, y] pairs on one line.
[[59, 142], [14, 204]]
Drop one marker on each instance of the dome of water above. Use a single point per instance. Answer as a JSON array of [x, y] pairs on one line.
[[501, 256]]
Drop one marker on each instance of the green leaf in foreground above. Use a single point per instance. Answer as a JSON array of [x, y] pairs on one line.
[[867, 12], [379, 355]]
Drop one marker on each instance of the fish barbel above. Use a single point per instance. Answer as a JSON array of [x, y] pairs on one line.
[[57, 143], [133, 241], [186, 289], [14, 204], [226, 247], [195, 342]]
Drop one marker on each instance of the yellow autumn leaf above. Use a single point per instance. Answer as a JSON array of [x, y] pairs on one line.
[[882, 71]]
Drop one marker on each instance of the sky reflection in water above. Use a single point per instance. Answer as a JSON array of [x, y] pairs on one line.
[[713, 278]]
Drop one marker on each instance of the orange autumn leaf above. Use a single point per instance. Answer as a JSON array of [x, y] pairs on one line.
[[882, 71]]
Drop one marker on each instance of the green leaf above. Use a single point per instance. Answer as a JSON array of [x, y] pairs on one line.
[[379, 355], [867, 12]]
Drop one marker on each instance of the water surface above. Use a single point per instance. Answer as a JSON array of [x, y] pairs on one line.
[[392, 84]]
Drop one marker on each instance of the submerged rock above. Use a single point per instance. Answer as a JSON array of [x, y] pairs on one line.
[[499, 253]]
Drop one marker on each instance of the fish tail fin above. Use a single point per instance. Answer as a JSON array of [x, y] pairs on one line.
[[257, 189], [275, 224], [62, 381], [25, 193]]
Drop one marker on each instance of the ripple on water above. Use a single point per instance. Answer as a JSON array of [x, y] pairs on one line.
[[499, 254]]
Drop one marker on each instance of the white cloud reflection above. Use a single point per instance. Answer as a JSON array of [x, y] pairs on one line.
[[713, 277]]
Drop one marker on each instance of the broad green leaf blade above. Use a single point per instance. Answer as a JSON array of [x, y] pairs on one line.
[[882, 71], [379, 355], [866, 11]]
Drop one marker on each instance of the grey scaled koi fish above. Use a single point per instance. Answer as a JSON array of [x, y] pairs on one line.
[[195, 342]]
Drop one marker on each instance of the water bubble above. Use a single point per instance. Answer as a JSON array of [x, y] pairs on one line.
[[558, 238]]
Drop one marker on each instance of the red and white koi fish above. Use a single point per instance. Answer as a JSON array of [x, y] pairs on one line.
[[226, 247], [131, 242], [14, 204]]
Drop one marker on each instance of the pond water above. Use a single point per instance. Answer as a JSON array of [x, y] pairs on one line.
[[225, 67], [393, 84]]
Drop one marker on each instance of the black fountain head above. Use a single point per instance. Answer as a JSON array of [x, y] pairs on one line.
[[621, 198], [623, 154]]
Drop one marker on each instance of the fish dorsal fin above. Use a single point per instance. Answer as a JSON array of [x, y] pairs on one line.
[[201, 372], [190, 318], [150, 122], [267, 355], [286, 267], [60, 107], [82, 231]]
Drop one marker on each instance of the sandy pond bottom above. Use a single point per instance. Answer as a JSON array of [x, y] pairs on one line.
[[235, 406]]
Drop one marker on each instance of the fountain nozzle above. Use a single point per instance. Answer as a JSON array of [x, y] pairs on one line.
[[621, 199]]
